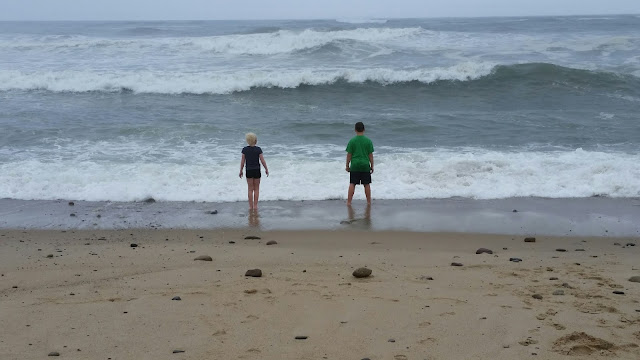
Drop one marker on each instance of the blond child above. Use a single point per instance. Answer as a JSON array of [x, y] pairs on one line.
[[252, 157]]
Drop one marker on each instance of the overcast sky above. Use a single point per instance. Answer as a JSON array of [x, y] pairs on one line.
[[299, 9]]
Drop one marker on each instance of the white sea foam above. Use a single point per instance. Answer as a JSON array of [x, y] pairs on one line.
[[226, 82], [362, 21], [210, 175]]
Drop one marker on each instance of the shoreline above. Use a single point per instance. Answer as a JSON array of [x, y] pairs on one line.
[[605, 217]]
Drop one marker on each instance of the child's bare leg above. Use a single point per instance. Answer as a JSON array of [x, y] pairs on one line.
[[256, 192], [367, 193], [352, 189], [250, 192]]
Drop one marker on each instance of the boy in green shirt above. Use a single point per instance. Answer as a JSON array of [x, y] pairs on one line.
[[359, 163]]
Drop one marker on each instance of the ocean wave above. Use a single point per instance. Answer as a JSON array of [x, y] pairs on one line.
[[261, 43], [362, 21], [225, 83], [209, 82], [401, 174]]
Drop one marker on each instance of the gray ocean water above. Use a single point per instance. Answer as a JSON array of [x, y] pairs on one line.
[[484, 108]]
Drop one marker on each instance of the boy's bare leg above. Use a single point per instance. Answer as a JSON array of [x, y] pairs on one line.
[[367, 193], [250, 192], [256, 193], [352, 189]]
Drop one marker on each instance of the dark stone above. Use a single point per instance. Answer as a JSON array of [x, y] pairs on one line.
[[301, 337], [231, 242], [391, 340], [178, 351], [149, 200], [203, 258], [484, 251], [362, 272], [54, 353], [254, 273], [631, 244], [272, 242], [426, 278], [530, 239], [558, 292], [456, 264], [98, 216], [72, 215], [212, 212], [515, 259], [514, 210], [251, 237], [635, 279], [561, 250], [618, 292], [537, 296], [50, 256], [176, 298], [505, 248], [134, 245], [71, 203]]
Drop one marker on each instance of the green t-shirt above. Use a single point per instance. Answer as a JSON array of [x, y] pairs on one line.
[[360, 147]]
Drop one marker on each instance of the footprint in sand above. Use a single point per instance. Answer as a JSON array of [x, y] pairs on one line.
[[581, 344]]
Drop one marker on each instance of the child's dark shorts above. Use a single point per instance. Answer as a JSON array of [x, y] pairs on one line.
[[253, 174], [360, 177]]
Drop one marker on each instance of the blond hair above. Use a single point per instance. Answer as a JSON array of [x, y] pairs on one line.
[[251, 138]]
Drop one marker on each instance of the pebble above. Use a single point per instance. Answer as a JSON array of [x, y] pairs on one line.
[[561, 250], [618, 292], [231, 242], [515, 259], [54, 353], [71, 203], [391, 340], [177, 298], [149, 200], [134, 245], [72, 215], [301, 337], [456, 264], [558, 292], [254, 273], [537, 296], [251, 237], [50, 256], [553, 278], [484, 251], [178, 351], [505, 248], [212, 212], [631, 244], [203, 258], [426, 278], [530, 239], [272, 242], [514, 210], [362, 272], [635, 279]]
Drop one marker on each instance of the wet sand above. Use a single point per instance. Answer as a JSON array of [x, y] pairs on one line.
[[97, 297]]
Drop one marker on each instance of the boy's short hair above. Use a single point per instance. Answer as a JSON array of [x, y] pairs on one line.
[[359, 126], [251, 138]]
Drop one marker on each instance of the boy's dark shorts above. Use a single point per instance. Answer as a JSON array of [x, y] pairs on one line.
[[253, 174], [360, 177]]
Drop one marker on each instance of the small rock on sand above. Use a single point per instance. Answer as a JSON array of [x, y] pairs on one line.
[[530, 239], [301, 337], [203, 258], [71, 203], [617, 292], [484, 251], [456, 264], [134, 245], [231, 242], [537, 296], [254, 273], [426, 278], [54, 353], [635, 279], [251, 237], [561, 250], [149, 200], [272, 242], [515, 259], [631, 244], [553, 278], [176, 298], [178, 351], [558, 292], [212, 212], [50, 256], [362, 272], [251, 291]]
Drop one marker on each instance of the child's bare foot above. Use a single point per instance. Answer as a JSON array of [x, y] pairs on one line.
[[348, 204]]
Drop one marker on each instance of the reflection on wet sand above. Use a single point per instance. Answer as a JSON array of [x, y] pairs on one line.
[[363, 222], [254, 219]]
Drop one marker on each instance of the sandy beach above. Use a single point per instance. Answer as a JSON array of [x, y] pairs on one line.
[[90, 294]]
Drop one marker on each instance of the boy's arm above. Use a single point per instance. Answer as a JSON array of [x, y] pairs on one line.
[[371, 161], [264, 163], [241, 165], [348, 162]]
